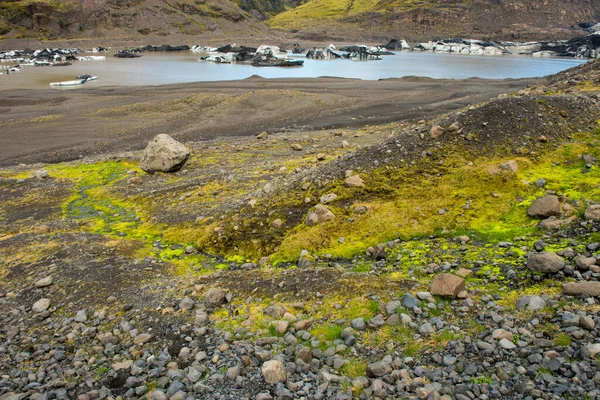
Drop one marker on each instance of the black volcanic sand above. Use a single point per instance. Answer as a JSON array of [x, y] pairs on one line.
[[56, 125]]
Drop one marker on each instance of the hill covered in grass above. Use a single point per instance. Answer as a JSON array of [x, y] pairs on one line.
[[321, 19], [416, 19]]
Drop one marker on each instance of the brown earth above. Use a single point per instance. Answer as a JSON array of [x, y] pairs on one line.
[[50, 126]]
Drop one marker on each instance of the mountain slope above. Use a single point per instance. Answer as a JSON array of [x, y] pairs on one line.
[[506, 19], [113, 18]]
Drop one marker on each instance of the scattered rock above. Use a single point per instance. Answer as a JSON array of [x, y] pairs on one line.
[[531, 303], [40, 306], [262, 135], [591, 288], [354, 181], [296, 147], [545, 263], [510, 166], [320, 214], [44, 282], [41, 174], [436, 131], [215, 297], [274, 372], [447, 285], [544, 207], [592, 212], [164, 154], [377, 369]]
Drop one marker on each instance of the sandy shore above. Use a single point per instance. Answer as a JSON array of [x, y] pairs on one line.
[[52, 126]]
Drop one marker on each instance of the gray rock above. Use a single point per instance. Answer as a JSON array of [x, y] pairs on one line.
[[544, 207], [41, 174], [44, 282], [377, 369], [40, 306], [376, 322], [531, 303], [447, 285], [320, 214], [587, 323], [392, 306], [591, 288], [409, 301], [273, 372], [358, 324], [81, 316], [592, 212], [215, 297], [164, 154], [186, 304], [546, 263]]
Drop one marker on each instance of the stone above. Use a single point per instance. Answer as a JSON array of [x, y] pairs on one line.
[[122, 365], [587, 323], [376, 322], [354, 181], [278, 223], [464, 273], [305, 260], [215, 297], [41, 174], [447, 285], [328, 198], [545, 262], [262, 135], [436, 131], [499, 334], [164, 154], [510, 166], [392, 306], [591, 288], [377, 369], [320, 214], [296, 147], [186, 304], [531, 303], [409, 301], [507, 344], [281, 326], [142, 338], [321, 157], [544, 207], [592, 212], [358, 324], [81, 316], [44, 282], [584, 263], [274, 372], [455, 126], [40, 306]]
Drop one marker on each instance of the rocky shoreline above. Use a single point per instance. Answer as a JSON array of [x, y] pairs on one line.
[[579, 47]]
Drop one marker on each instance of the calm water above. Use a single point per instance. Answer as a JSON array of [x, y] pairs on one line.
[[164, 68]]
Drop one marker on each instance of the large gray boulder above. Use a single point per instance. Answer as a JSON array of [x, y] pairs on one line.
[[544, 207], [545, 263], [164, 154]]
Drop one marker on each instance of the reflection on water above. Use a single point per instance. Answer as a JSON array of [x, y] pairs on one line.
[[165, 68]]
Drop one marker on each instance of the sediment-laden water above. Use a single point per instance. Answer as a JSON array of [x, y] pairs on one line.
[[167, 68]]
